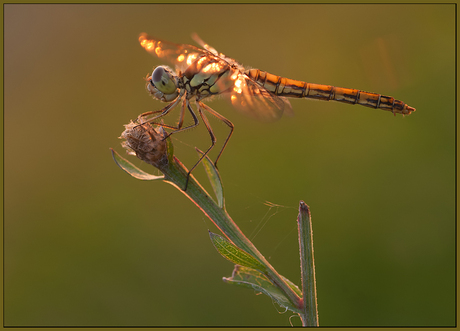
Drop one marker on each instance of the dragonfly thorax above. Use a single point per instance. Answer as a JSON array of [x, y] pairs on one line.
[[207, 76], [163, 84]]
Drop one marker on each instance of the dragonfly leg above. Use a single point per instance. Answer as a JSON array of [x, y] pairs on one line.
[[182, 113], [179, 128], [213, 139], [162, 112], [223, 119]]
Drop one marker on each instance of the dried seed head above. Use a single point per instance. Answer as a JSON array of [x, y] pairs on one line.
[[146, 143]]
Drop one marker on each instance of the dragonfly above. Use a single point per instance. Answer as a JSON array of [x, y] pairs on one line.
[[202, 73]]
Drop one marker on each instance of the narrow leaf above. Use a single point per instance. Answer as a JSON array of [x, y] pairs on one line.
[[214, 178], [132, 169], [234, 254], [293, 286], [254, 279], [309, 314]]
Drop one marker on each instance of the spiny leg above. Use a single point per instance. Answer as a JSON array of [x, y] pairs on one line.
[[213, 140], [223, 119], [162, 112], [182, 113], [165, 111], [179, 128]]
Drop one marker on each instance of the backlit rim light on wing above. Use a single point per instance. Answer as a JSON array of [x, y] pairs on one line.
[[213, 67], [150, 45], [147, 44], [239, 85], [191, 58]]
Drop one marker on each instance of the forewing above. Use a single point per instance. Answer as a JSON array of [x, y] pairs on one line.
[[257, 102], [200, 42], [180, 55], [212, 50]]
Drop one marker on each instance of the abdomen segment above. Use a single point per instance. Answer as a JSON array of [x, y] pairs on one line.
[[291, 88]]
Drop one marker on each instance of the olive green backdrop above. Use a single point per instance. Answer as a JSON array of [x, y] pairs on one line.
[[87, 245]]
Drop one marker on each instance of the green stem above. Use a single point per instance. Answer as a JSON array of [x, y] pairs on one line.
[[176, 174], [309, 313]]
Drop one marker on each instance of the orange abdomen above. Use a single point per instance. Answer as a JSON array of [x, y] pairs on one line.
[[297, 89]]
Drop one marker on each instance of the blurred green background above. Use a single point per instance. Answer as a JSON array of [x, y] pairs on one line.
[[87, 245]]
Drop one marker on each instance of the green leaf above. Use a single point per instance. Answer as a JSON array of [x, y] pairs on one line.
[[254, 279], [307, 266], [293, 286], [234, 254], [169, 146], [132, 169], [214, 178]]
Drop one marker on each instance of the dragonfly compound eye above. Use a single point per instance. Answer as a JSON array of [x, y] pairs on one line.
[[163, 80]]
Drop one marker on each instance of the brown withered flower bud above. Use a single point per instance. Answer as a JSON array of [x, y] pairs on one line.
[[147, 143]]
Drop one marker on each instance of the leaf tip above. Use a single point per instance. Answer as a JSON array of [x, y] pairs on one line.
[[304, 209]]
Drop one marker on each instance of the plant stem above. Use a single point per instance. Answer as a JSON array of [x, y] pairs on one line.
[[151, 146], [175, 173], [309, 314]]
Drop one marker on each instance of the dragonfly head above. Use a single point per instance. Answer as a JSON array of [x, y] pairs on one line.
[[162, 84]]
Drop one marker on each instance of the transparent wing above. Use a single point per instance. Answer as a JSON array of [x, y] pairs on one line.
[[246, 95], [180, 55], [212, 50], [207, 47], [256, 101]]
